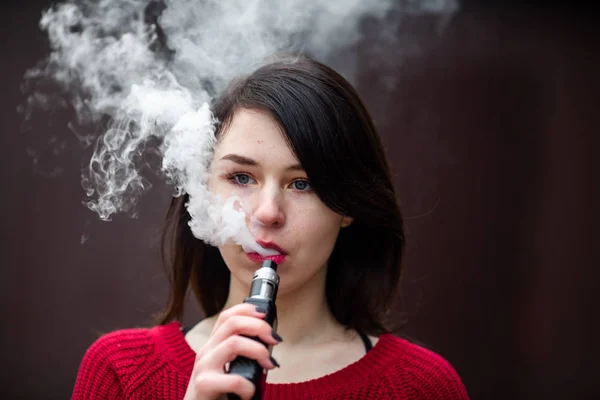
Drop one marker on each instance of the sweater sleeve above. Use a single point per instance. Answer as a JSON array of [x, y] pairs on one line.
[[97, 378], [419, 373], [436, 379], [442, 383]]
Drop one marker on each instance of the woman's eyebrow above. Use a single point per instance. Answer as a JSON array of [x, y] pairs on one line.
[[236, 158], [241, 160]]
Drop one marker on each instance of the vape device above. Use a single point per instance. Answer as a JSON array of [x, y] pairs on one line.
[[263, 293]]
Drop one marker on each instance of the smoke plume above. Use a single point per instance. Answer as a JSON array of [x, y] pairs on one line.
[[152, 67]]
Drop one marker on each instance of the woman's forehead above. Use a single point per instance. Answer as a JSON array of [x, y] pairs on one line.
[[254, 135]]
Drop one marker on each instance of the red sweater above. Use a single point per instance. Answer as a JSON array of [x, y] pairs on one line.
[[157, 364]]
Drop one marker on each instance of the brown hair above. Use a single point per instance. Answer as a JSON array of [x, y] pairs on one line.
[[332, 134]]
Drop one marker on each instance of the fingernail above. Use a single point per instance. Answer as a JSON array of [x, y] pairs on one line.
[[261, 309], [276, 336], [275, 363]]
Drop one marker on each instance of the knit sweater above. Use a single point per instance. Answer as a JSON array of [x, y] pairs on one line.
[[157, 363]]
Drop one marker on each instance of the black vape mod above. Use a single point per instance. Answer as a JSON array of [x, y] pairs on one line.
[[263, 293]]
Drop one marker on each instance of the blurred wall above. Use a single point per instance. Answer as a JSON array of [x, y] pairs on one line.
[[492, 134]]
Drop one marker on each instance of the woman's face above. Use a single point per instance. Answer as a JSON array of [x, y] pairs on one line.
[[253, 161]]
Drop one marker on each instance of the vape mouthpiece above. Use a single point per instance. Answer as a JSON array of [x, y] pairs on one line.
[[269, 264]]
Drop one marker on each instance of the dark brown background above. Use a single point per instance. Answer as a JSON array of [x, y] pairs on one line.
[[493, 136]]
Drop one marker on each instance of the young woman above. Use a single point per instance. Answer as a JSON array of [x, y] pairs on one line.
[[298, 146]]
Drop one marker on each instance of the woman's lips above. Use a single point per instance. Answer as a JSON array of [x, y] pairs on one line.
[[257, 258], [270, 245]]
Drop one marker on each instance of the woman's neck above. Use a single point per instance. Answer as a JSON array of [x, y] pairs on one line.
[[303, 314], [314, 343]]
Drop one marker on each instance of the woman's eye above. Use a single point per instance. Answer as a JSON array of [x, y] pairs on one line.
[[301, 185], [241, 179]]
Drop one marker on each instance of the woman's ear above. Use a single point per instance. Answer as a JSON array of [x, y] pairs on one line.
[[346, 221]]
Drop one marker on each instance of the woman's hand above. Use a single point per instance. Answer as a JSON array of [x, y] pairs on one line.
[[209, 379]]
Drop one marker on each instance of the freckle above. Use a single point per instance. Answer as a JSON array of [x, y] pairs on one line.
[[259, 141]]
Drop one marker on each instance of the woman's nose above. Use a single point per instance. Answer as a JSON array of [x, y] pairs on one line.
[[269, 211]]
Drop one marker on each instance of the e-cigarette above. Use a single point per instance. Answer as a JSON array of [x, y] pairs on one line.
[[263, 293]]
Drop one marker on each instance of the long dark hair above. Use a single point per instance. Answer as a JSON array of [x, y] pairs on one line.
[[332, 134]]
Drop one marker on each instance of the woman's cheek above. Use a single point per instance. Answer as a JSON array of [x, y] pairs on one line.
[[245, 198]]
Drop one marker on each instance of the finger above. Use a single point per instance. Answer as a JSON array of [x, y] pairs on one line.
[[211, 385], [243, 325], [239, 309], [232, 347]]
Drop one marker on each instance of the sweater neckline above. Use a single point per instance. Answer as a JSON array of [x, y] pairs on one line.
[[173, 345]]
